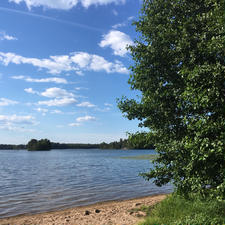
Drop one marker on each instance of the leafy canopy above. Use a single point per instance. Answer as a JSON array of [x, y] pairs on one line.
[[179, 67]]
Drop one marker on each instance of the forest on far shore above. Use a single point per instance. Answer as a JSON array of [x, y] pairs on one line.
[[134, 141]]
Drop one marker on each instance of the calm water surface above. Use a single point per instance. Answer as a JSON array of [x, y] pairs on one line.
[[32, 182]]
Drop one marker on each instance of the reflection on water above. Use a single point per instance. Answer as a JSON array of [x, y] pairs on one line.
[[32, 182]]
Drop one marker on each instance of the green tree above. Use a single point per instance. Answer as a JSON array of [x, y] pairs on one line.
[[41, 145], [179, 67], [31, 145], [140, 140]]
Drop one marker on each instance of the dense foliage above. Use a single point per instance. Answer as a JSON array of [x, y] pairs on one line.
[[121, 144], [139, 140], [179, 67], [41, 145]]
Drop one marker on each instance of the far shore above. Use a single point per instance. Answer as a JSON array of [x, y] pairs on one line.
[[121, 212]]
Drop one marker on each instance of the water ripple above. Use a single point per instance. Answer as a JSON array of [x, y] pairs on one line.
[[33, 182]]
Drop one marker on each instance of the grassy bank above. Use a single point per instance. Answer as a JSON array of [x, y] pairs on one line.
[[175, 210]]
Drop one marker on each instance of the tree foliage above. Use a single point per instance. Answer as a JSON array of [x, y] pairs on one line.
[[121, 144], [179, 67], [140, 140], [73, 146], [41, 145]]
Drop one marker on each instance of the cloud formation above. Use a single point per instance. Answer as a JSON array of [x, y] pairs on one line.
[[30, 91], [7, 102], [56, 111], [16, 123], [77, 61], [4, 36], [79, 121], [65, 4], [56, 93], [117, 41], [56, 80], [58, 102], [85, 118], [17, 119], [74, 124], [42, 111], [86, 104], [60, 97], [124, 23]]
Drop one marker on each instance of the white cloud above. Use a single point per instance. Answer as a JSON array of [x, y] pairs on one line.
[[74, 124], [80, 88], [86, 104], [58, 102], [4, 36], [124, 23], [98, 63], [82, 59], [118, 25], [91, 62], [85, 118], [87, 3], [56, 93], [56, 80], [108, 104], [60, 96], [55, 64], [16, 123], [16, 119], [77, 62], [117, 41], [7, 102], [65, 4], [41, 110], [18, 77], [31, 91], [56, 111]]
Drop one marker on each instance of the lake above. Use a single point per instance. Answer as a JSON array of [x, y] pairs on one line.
[[33, 182]]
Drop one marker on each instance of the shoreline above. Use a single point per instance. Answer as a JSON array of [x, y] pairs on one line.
[[114, 212]]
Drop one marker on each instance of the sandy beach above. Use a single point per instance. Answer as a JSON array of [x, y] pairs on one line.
[[104, 213]]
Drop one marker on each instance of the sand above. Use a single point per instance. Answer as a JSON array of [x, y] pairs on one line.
[[105, 213]]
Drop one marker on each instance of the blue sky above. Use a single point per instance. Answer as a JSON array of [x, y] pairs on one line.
[[63, 63]]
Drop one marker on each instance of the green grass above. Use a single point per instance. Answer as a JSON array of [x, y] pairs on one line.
[[175, 210], [141, 157]]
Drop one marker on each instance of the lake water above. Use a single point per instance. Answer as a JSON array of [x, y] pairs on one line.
[[33, 182]]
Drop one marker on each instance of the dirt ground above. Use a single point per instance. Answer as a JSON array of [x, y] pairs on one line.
[[105, 213]]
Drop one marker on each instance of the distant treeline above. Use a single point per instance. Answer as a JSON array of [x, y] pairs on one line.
[[139, 140], [12, 147], [53, 146], [73, 146]]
